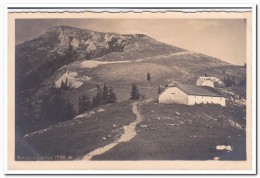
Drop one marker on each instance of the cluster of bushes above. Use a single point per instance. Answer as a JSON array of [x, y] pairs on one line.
[[104, 95], [229, 82], [56, 107]]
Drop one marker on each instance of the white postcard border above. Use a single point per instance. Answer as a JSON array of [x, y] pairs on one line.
[[5, 68]]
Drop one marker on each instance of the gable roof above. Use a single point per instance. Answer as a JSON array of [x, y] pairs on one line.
[[199, 90]]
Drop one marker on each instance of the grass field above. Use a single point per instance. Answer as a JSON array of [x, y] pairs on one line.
[[179, 132], [167, 132]]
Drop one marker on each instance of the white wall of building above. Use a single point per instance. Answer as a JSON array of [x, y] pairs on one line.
[[206, 99], [173, 95]]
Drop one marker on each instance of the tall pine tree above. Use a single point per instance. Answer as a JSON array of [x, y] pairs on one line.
[[65, 85], [62, 84], [135, 95], [105, 96], [148, 77], [112, 96]]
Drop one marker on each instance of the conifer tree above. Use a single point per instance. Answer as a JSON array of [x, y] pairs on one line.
[[105, 96], [135, 95], [62, 85], [148, 77], [112, 96], [65, 85]]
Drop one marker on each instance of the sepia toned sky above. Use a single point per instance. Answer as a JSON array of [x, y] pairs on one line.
[[221, 38]]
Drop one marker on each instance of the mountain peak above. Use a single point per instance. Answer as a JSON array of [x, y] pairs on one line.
[[64, 27]]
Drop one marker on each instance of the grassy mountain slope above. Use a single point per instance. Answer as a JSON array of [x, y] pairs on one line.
[[168, 132]]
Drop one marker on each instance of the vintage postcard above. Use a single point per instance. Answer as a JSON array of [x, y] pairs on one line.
[[153, 90]]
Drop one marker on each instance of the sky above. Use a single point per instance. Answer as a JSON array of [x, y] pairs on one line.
[[224, 39]]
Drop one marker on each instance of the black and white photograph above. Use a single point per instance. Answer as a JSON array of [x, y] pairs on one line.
[[131, 89]]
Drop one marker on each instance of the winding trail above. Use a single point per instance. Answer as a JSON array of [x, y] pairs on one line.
[[96, 63], [129, 133]]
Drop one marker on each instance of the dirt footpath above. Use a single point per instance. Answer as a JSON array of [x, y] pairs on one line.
[[129, 133]]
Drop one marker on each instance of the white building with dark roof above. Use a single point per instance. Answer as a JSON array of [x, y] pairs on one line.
[[190, 95], [210, 82]]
